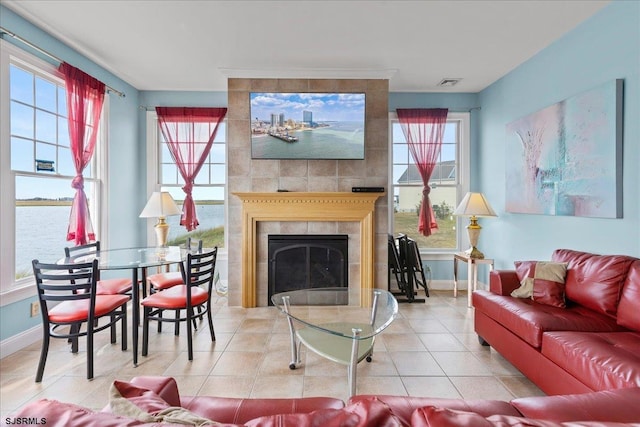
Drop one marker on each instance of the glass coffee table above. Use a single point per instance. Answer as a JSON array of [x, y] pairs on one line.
[[323, 320]]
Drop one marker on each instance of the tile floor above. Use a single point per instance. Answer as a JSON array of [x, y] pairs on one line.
[[429, 350]]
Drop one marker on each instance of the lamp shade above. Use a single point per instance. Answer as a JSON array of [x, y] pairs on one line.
[[474, 204], [160, 204]]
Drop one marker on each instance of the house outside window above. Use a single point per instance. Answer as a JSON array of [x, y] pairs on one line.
[[448, 184], [37, 167], [208, 190]]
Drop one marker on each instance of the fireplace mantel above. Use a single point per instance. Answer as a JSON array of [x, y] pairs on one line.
[[306, 206]]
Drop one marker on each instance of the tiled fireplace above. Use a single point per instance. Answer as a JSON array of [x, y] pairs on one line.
[[306, 206], [247, 248]]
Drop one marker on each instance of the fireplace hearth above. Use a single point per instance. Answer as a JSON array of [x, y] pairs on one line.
[[304, 261]]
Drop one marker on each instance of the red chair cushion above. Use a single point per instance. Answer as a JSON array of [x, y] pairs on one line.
[[78, 311], [176, 298], [113, 286], [163, 281]]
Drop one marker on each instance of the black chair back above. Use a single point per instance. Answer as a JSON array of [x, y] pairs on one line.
[[200, 268], [65, 282], [73, 252]]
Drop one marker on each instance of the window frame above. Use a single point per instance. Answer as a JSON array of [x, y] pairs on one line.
[[12, 290], [463, 172], [154, 170]]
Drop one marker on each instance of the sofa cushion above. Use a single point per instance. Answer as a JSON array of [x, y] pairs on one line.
[[594, 281], [629, 306], [601, 361], [365, 413], [541, 281], [240, 410], [529, 320], [431, 416], [610, 405], [404, 406]]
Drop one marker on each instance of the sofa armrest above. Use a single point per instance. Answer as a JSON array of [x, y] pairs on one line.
[[503, 282], [165, 387], [620, 405]]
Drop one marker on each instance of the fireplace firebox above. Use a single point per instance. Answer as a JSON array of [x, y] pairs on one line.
[[303, 261]]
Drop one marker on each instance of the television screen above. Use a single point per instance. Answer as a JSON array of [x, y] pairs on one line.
[[307, 125]]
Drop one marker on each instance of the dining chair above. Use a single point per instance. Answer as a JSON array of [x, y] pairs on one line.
[[68, 299], [199, 271], [165, 280], [104, 286], [114, 286]]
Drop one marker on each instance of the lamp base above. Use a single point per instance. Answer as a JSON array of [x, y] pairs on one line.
[[473, 230], [162, 232], [473, 252]]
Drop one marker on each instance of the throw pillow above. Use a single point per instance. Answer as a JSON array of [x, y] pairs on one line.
[[541, 281], [144, 405]]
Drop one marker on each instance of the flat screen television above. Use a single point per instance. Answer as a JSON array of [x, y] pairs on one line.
[[307, 125]]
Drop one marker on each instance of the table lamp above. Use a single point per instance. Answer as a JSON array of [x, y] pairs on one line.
[[474, 205], [160, 205]]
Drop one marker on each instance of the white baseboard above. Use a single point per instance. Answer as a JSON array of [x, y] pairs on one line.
[[447, 285], [441, 285], [20, 341]]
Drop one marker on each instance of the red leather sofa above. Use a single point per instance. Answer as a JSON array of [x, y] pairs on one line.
[[591, 344], [156, 394]]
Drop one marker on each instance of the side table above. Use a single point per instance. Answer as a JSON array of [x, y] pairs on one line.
[[472, 273]]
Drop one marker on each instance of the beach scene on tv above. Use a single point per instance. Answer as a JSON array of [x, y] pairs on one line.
[[307, 125]]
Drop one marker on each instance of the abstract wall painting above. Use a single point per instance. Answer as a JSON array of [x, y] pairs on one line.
[[566, 159]]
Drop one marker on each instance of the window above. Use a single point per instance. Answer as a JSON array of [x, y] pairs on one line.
[[448, 185], [208, 191], [37, 167]]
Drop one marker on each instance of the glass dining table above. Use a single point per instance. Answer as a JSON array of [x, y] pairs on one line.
[[137, 260]]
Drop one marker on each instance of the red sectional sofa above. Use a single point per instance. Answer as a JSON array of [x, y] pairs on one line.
[[591, 344], [159, 395]]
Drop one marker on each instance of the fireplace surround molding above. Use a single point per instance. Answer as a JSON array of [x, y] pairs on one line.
[[306, 206]]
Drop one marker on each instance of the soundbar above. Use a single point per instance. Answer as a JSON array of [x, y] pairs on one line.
[[367, 189]]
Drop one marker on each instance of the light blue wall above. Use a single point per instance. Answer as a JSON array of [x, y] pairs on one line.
[[125, 155], [603, 48]]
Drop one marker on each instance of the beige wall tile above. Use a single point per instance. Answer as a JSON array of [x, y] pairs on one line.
[[293, 85], [323, 168], [238, 84], [264, 85], [323, 85], [238, 105], [294, 168]]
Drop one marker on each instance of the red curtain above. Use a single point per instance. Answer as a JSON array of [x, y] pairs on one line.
[[85, 97], [189, 133], [424, 130]]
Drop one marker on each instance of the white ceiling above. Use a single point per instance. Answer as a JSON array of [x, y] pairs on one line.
[[195, 45]]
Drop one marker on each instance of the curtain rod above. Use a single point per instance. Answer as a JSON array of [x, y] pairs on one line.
[[55, 58]]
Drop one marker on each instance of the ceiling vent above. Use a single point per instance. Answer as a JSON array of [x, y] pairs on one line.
[[449, 82]]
